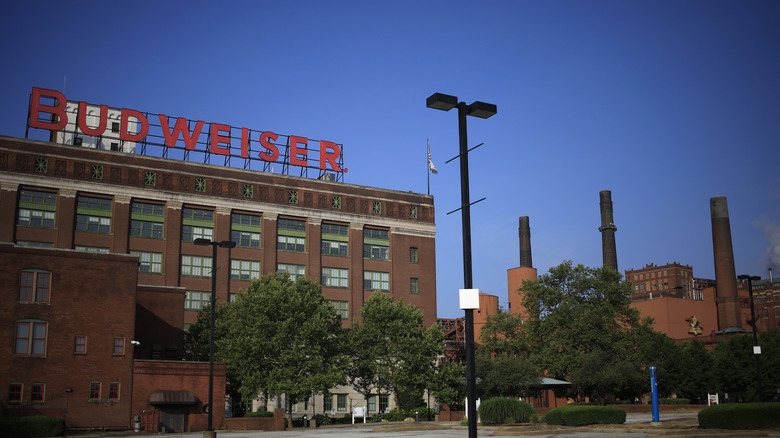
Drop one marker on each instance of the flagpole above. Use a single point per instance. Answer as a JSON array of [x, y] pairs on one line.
[[428, 165]]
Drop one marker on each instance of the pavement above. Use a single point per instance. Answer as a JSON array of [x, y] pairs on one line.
[[637, 425]]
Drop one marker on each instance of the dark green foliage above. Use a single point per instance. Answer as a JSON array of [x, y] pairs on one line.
[[674, 401], [504, 375], [502, 410], [30, 427], [423, 413], [259, 414], [740, 416], [448, 384], [322, 420], [580, 415]]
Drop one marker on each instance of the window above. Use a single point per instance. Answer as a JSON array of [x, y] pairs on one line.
[[245, 230], [372, 404], [38, 394], [31, 338], [80, 345], [342, 308], [113, 391], [414, 285], [147, 220], [94, 390], [376, 280], [414, 256], [37, 209], [149, 262], [34, 286], [335, 277], [197, 223], [383, 403], [195, 266], [341, 402], [150, 179], [33, 244], [15, 392], [376, 244], [196, 300], [292, 196], [119, 347], [294, 271], [93, 215], [377, 207], [96, 249], [244, 270], [335, 202], [413, 212], [327, 402], [335, 239], [291, 235]]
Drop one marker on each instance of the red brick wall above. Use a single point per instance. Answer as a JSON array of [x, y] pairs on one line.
[[91, 295], [150, 376]]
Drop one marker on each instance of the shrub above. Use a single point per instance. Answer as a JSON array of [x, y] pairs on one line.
[[322, 420], [740, 416], [31, 427], [259, 414], [464, 421], [674, 401], [500, 410], [579, 415]]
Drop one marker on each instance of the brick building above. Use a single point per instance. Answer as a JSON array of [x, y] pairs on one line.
[[92, 201]]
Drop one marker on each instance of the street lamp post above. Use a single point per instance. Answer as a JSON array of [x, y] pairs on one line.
[[756, 347], [222, 244], [482, 110]]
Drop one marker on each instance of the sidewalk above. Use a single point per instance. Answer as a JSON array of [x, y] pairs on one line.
[[638, 425]]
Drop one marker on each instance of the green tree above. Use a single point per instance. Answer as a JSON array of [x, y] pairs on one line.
[[281, 337], [504, 375], [733, 367], [391, 349], [574, 310], [605, 377], [448, 385]]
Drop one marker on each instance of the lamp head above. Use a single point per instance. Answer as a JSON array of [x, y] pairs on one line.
[[443, 102], [201, 241], [227, 244], [482, 110]]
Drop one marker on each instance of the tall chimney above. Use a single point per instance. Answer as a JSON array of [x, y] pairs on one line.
[[725, 275], [607, 228], [525, 243]]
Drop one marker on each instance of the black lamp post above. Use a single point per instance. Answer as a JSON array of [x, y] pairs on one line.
[[482, 110], [756, 347], [222, 244]]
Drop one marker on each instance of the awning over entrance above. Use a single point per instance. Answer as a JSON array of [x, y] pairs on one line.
[[548, 383], [172, 398]]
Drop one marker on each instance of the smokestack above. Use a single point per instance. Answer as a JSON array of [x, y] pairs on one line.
[[607, 229], [525, 243], [725, 275]]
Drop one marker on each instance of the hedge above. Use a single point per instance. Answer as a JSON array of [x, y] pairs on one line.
[[32, 427], [259, 414], [501, 410], [580, 415], [740, 416]]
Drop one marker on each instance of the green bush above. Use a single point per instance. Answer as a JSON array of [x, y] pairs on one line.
[[322, 420], [501, 410], [259, 414], [31, 427], [579, 415], [674, 401], [740, 416]]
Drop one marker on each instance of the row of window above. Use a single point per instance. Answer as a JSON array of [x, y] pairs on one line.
[[32, 339], [93, 215], [38, 392], [37, 209], [341, 403]]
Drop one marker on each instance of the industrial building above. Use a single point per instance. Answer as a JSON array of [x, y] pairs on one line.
[[111, 206]]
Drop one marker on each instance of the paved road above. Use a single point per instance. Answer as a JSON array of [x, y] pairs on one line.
[[638, 425]]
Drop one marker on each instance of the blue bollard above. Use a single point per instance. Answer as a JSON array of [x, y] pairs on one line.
[[654, 392]]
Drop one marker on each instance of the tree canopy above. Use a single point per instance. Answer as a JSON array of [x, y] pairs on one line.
[[281, 337], [391, 349]]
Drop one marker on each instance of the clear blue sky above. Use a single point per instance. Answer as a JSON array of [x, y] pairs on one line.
[[665, 103]]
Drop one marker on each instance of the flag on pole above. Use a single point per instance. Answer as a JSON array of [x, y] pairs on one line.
[[431, 167]]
